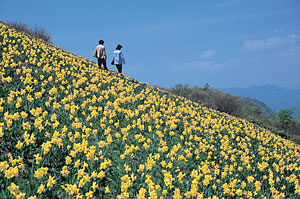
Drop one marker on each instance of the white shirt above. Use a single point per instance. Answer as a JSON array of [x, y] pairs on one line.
[[100, 52]]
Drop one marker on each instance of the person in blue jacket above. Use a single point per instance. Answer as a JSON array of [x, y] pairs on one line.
[[119, 58]]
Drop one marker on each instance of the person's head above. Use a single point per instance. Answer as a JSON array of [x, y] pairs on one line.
[[119, 46], [101, 42]]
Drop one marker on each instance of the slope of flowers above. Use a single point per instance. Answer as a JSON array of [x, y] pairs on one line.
[[70, 130]]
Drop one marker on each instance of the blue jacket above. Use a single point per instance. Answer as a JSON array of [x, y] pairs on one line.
[[119, 57]]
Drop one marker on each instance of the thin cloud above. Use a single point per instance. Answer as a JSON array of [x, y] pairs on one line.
[[205, 65], [292, 53], [208, 53], [271, 42]]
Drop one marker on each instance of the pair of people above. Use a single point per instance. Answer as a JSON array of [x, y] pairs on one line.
[[118, 58]]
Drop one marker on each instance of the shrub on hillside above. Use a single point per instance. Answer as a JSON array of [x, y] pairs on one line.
[[199, 96], [35, 31], [181, 90], [294, 130], [225, 102], [210, 98]]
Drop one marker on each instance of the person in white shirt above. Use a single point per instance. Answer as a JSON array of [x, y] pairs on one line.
[[100, 54], [119, 58]]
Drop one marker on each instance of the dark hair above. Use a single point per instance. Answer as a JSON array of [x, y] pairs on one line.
[[119, 46], [101, 41]]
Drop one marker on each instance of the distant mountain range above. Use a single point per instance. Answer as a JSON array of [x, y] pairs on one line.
[[275, 97]]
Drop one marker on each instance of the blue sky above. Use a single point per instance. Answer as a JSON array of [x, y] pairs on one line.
[[228, 43]]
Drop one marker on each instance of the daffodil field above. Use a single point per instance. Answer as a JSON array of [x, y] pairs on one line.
[[71, 130]]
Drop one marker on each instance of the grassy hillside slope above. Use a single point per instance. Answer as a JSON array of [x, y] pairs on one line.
[[70, 130]]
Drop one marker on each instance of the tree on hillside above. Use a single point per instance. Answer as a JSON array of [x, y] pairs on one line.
[[285, 117], [206, 87]]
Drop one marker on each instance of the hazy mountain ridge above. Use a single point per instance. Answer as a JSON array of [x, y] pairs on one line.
[[296, 110], [275, 97], [263, 106]]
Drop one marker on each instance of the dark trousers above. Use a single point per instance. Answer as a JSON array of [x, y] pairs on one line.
[[119, 67], [102, 61]]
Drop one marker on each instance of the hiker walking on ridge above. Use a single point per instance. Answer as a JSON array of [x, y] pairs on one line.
[[100, 54], [118, 59]]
